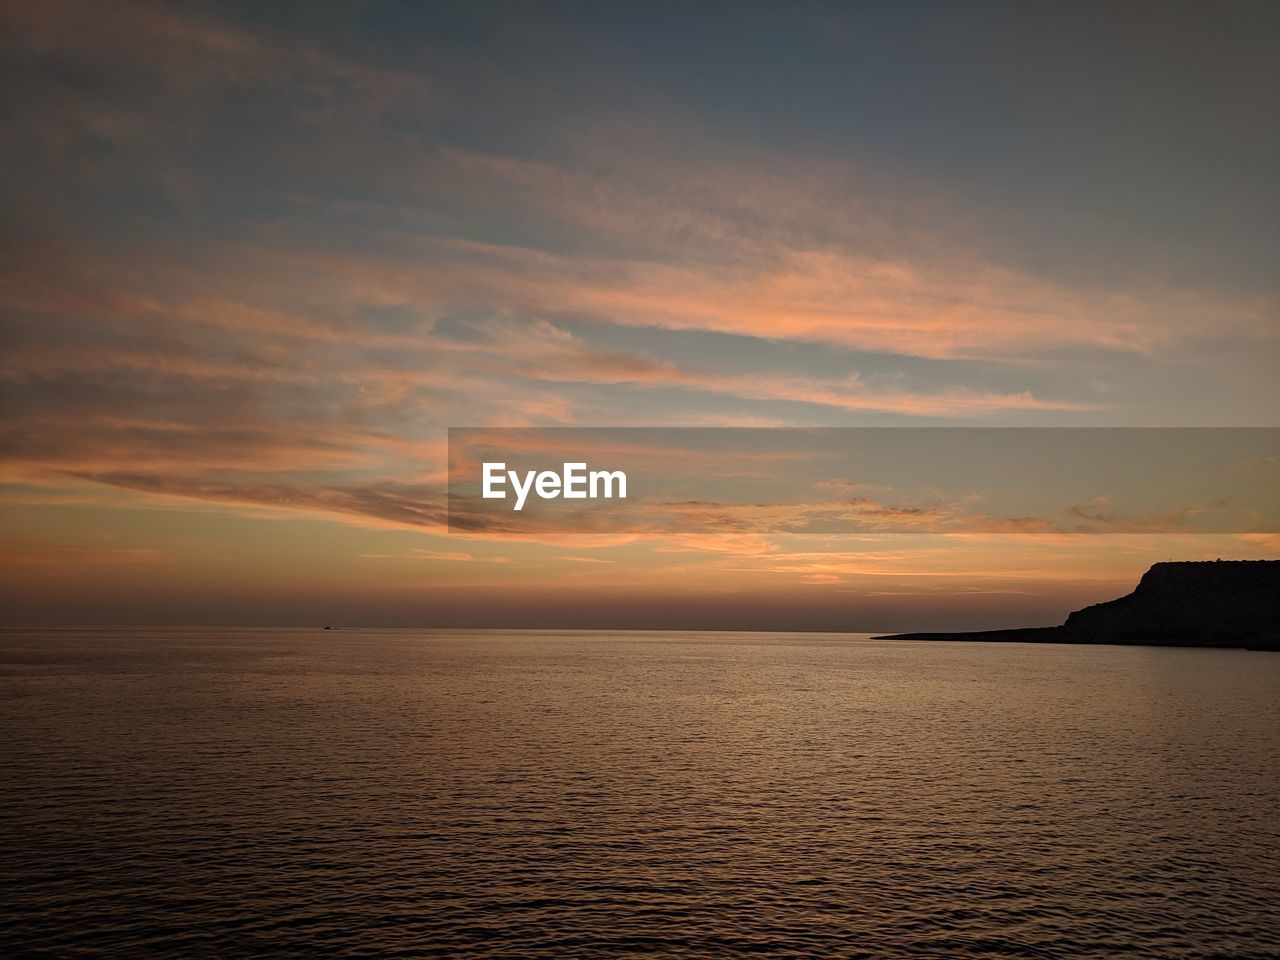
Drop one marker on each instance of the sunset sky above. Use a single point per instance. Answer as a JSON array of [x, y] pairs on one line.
[[258, 258]]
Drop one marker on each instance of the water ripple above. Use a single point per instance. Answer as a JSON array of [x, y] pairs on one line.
[[298, 793]]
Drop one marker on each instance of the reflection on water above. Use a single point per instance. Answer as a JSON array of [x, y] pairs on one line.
[[576, 794]]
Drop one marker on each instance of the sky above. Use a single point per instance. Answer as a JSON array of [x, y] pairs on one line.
[[257, 259]]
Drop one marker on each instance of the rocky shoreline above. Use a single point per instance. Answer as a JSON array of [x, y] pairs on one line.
[[1216, 603]]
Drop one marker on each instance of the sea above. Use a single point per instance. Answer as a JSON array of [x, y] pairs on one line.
[[408, 793]]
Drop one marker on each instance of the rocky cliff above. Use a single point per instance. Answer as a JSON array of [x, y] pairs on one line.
[[1222, 603]]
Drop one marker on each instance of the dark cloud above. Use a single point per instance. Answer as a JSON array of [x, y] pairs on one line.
[[418, 505]]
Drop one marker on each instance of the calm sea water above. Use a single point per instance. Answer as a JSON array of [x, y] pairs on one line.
[[397, 793]]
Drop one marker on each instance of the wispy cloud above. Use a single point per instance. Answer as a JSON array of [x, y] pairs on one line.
[[265, 266]]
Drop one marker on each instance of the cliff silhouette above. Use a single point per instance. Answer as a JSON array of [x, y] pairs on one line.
[[1216, 603]]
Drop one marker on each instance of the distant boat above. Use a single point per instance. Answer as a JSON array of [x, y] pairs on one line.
[[328, 628]]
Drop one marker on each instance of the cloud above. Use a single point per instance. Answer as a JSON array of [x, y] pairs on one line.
[[251, 268], [192, 53], [448, 556], [688, 235], [56, 557], [1098, 516], [397, 504], [931, 310], [1255, 464], [175, 393]]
